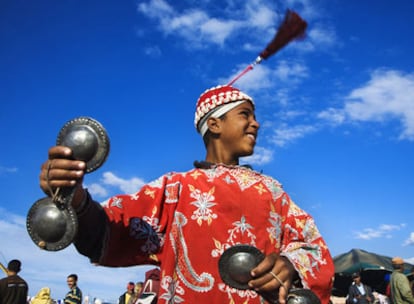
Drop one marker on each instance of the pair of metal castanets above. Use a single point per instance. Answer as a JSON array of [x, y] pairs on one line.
[[51, 222], [236, 264]]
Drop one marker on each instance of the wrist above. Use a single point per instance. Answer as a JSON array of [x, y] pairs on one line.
[[84, 202]]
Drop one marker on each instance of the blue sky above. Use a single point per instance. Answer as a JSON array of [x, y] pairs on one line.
[[336, 110]]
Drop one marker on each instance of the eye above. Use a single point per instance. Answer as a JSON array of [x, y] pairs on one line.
[[245, 113]]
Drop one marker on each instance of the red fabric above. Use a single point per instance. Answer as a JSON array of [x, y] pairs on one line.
[[153, 275], [199, 214]]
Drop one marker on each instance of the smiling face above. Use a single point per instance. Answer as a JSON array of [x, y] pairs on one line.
[[234, 135], [71, 281]]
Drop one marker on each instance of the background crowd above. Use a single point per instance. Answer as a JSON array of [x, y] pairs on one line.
[[14, 289]]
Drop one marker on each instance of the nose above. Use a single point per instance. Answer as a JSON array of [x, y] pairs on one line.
[[254, 123]]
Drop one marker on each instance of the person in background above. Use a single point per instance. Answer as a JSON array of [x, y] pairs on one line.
[[74, 295], [359, 293], [400, 288], [13, 288], [129, 294], [137, 291], [42, 297], [183, 222]]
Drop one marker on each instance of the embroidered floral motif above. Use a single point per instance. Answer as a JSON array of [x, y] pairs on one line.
[[117, 202], [307, 262], [173, 291], [241, 227], [227, 179], [204, 201], [260, 189], [275, 231], [244, 177], [274, 187], [241, 293], [195, 174]]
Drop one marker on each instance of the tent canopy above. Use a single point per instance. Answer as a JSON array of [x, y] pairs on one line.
[[374, 269]]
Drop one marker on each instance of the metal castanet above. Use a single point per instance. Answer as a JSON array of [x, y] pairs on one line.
[[52, 222], [235, 266]]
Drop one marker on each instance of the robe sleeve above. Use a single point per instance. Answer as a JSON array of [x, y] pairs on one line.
[[305, 248]]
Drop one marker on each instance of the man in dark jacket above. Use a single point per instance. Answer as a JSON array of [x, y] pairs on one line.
[[359, 293], [128, 294], [13, 289]]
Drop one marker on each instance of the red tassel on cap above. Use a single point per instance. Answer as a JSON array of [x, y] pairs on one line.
[[292, 27]]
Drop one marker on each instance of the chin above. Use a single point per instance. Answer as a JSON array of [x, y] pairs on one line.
[[247, 153]]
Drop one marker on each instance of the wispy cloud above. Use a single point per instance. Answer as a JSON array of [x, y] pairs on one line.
[[383, 231], [286, 134], [201, 28], [5, 170], [410, 240], [386, 96], [110, 184], [261, 156]]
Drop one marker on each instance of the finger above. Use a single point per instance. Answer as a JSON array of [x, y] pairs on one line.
[[279, 280], [265, 266], [60, 173], [283, 293], [59, 152]]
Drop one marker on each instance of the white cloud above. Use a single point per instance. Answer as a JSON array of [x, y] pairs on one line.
[[290, 71], [260, 15], [126, 185], [265, 77], [218, 31], [96, 189], [322, 37], [256, 81], [387, 96], [335, 116], [261, 156], [193, 25], [200, 28], [286, 134], [156, 9], [410, 240], [383, 231]]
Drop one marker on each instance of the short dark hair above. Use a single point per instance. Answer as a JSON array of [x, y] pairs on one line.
[[74, 276], [14, 265]]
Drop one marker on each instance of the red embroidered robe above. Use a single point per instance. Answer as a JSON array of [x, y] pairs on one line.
[[184, 221]]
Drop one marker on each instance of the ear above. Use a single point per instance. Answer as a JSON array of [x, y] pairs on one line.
[[214, 125]]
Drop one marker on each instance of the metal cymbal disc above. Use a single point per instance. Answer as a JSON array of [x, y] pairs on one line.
[[88, 140], [302, 296], [51, 227], [236, 263]]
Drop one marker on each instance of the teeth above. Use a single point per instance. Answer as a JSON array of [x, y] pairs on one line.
[[251, 136]]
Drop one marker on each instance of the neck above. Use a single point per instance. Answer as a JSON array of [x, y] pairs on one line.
[[220, 156]]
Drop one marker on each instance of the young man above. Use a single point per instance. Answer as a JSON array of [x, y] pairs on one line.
[[74, 295], [183, 222], [13, 289]]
